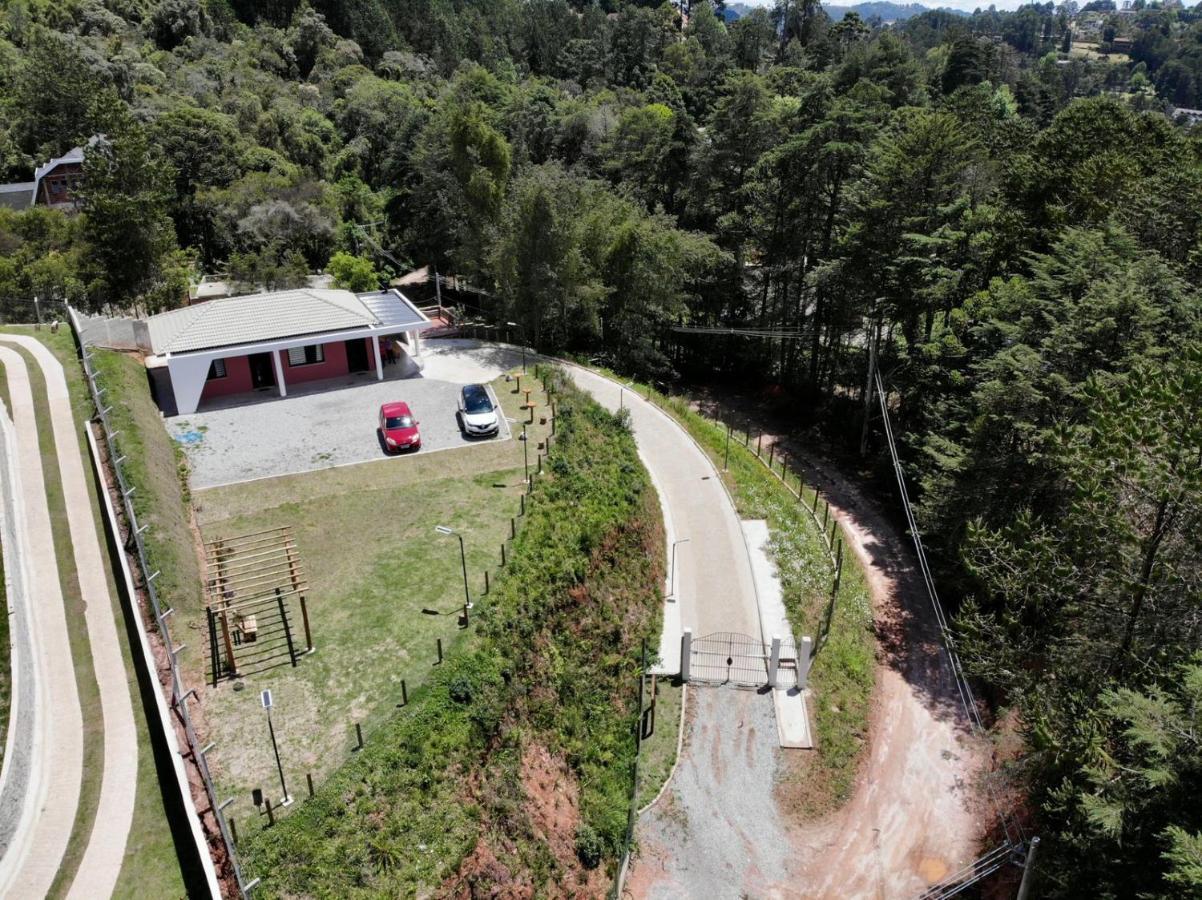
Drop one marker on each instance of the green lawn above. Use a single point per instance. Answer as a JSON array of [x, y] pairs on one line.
[[842, 677], [374, 561], [151, 849]]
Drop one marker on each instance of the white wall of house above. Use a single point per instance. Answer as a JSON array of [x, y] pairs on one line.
[[190, 371]]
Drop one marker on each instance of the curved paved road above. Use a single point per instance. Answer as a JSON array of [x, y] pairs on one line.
[[105, 851], [48, 787]]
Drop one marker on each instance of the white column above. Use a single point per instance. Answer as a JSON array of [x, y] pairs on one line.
[[375, 346], [279, 373]]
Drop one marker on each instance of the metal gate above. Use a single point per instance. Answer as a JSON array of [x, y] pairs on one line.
[[727, 657]]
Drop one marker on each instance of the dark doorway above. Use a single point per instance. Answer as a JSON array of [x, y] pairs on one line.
[[356, 355], [262, 371]]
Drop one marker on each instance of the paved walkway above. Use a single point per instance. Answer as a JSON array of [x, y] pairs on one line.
[[54, 772], [105, 852]]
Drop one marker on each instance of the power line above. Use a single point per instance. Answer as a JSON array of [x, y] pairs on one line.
[[743, 332], [949, 644]]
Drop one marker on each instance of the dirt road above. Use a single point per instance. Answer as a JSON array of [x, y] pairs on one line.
[[914, 817]]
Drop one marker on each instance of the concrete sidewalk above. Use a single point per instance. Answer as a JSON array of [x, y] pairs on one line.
[[105, 853], [55, 769]]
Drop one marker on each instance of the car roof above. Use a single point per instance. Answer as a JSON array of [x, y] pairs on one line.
[[400, 408], [474, 389]]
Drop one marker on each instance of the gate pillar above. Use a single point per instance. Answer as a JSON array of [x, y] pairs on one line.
[[774, 661], [805, 656], [686, 654]]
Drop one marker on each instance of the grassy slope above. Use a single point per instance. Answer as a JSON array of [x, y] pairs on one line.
[[151, 864], [843, 674], [443, 795]]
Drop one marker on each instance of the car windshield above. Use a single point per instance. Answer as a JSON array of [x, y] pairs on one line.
[[398, 422], [475, 399]]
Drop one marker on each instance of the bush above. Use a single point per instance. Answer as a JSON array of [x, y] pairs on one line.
[[589, 847]]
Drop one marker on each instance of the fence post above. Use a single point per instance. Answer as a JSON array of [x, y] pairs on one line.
[[309, 780], [486, 582], [774, 661], [771, 454], [814, 508], [439, 663], [759, 443], [805, 656], [838, 567], [502, 554], [686, 653], [404, 693]]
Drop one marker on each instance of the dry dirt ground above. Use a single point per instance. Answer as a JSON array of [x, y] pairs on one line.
[[722, 829]]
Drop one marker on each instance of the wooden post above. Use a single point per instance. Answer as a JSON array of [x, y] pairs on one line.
[[486, 582], [214, 653], [270, 814], [759, 443], [747, 438], [359, 736], [305, 619], [838, 567], [439, 641], [233, 831], [771, 454], [502, 554], [404, 693], [814, 508], [513, 523], [522, 511], [232, 662], [309, 779], [826, 509], [287, 627]]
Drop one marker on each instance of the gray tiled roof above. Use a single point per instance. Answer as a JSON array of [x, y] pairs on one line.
[[17, 196], [279, 315]]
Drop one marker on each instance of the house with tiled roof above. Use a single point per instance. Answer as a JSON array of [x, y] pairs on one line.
[[55, 184], [264, 343]]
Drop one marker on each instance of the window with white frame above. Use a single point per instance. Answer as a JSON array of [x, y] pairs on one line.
[[306, 356], [217, 368]]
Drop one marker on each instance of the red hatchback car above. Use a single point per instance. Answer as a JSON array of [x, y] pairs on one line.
[[398, 428]]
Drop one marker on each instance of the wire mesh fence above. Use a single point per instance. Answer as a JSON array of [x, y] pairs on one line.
[[135, 542]]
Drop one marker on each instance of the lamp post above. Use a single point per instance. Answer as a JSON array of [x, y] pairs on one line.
[[522, 332], [266, 700], [467, 597], [672, 587], [622, 394]]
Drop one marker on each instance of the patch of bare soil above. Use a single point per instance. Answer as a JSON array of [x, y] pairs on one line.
[[552, 810]]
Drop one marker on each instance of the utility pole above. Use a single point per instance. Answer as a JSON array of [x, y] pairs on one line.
[[438, 291], [874, 338]]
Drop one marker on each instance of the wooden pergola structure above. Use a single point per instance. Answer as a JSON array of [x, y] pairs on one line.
[[251, 582]]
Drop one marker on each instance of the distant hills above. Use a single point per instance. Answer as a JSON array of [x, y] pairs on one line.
[[883, 9]]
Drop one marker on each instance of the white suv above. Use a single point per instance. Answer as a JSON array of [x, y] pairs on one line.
[[477, 412]]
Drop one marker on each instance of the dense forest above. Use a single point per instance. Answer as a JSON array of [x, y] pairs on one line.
[[1013, 227]]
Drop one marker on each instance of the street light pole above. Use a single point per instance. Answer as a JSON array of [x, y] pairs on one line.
[[672, 585], [265, 698], [467, 596]]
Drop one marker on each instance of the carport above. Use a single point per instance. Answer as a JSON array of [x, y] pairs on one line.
[[263, 343]]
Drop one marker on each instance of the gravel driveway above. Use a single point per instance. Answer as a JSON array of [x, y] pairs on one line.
[[334, 424]]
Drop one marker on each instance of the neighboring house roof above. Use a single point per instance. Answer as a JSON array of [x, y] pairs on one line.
[[74, 155], [19, 195], [253, 318]]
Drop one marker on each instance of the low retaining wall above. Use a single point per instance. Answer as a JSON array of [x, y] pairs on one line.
[[160, 719]]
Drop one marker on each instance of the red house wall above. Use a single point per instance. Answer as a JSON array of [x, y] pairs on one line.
[[333, 366], [236, 380]]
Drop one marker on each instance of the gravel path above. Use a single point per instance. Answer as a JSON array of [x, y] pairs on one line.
[[51, 797], [718, 832], [105, 852]]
